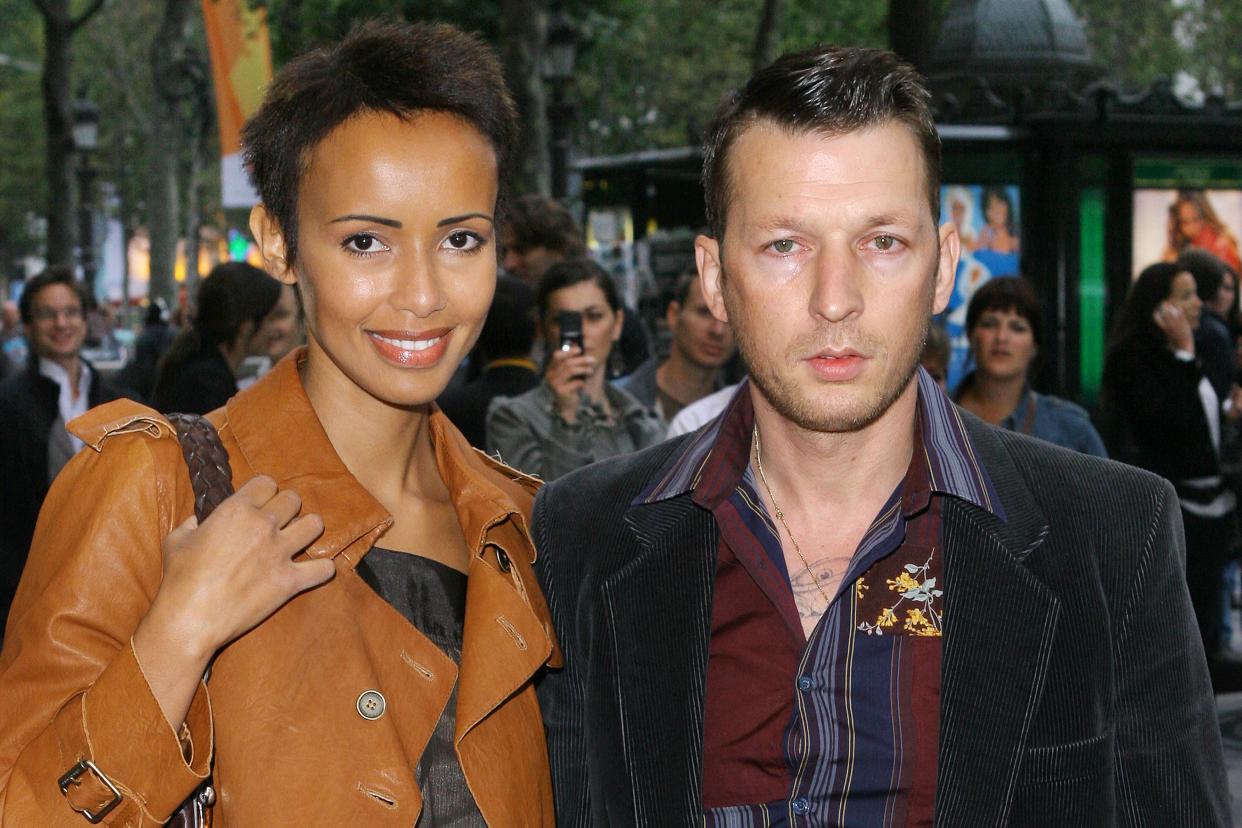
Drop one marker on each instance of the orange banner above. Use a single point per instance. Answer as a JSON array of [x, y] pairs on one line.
[[241, 68]]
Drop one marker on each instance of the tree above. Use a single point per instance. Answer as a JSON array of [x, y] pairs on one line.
[[22, 195], [767, 33], [59, 27], [168, 63], [524, 27]]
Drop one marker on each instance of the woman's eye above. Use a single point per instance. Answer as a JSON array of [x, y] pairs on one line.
[[463, 240], [362, 244]]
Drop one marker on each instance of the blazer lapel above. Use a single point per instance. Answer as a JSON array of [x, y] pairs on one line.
[[1000, 620], [658, 608]]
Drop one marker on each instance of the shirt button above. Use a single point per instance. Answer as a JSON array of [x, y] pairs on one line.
[[801, 805], [371, 705], [502, 558], [805, 683]]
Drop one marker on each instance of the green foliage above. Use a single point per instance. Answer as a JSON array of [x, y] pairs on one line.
[[653, 71], [22, 191]]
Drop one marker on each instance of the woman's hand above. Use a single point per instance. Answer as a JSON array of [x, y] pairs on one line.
[[220, 580], [1176, 327], [566, 374]]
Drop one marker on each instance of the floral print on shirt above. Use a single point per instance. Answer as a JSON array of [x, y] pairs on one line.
[[910, 603]]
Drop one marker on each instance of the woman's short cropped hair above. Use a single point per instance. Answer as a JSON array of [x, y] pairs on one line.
[[570, 272], [827, 90], [403, 69], [1007, 293]]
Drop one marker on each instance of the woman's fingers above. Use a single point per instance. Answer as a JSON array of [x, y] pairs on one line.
[[302, 532], [283, 507], [257, 491], [312, 573]]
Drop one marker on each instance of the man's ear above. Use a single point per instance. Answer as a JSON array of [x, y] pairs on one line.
[[266, 231], [711, 275], [946, 266], [671, 313]]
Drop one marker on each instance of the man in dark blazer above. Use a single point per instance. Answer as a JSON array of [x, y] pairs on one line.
[[55, 386], [846, 601]]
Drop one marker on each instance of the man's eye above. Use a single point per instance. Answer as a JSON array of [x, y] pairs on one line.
[[784, 246], [884, 242]]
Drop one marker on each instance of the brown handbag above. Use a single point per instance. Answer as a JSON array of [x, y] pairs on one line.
[[212, 479]]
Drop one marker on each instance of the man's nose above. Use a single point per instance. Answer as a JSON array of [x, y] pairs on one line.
[[835, 295]]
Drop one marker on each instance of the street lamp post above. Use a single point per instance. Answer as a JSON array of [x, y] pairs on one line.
[[85, 141], [558, 70]]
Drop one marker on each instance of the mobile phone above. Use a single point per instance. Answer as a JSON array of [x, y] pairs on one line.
[[570, 324]]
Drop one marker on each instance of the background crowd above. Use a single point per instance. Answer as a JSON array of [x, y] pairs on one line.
[[565, 374]]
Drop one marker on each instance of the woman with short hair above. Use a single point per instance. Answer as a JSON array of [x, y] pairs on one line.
[[1003, 325], [365, 601]]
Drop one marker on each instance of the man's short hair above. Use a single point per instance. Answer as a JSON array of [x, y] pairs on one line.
[[535, 220], [827, 90], [1007, 293], [55, 275], [403, 69]]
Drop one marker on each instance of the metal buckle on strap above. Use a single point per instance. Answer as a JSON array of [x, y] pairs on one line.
[[73, 777]]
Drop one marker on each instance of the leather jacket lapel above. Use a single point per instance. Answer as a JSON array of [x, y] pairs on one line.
[[658, 608]]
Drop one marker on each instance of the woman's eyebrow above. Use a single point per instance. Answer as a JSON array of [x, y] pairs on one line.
[[387, 222], [456, 219]]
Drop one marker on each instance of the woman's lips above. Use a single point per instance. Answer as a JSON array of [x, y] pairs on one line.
[[411, 349]]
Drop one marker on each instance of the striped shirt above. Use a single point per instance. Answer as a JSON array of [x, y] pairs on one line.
[[839, 728]]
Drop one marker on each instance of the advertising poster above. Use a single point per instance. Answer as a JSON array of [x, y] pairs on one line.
[[1167, 221], [989, 220], [241, 68]]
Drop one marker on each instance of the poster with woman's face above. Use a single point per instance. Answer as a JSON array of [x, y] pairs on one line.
[[1166, 222], [988, 220]]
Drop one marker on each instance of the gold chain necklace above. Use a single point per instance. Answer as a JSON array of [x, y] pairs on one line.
[[781, 515]]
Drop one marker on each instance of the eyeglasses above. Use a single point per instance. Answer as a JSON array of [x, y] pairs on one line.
[[71, 314]]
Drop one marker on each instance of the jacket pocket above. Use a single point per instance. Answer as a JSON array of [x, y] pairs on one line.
[[1082, 759]]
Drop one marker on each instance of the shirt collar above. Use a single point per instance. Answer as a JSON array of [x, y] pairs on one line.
[[713, 462], [57, 373]]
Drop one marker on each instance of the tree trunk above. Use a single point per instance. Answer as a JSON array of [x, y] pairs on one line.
[[167, 57], [59, 26], [58, 120], [910, 31], [524, 26], [767, 34]]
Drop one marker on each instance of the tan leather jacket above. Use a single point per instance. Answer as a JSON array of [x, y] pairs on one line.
[[281, 709]]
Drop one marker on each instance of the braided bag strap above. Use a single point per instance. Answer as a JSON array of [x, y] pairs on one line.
[[207, 460], [212, 479]]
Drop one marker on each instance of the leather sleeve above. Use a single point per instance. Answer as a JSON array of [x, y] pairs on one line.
[[1169, 763], [71, 687]]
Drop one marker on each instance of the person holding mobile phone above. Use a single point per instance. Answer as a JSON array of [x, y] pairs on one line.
[[1164, 415], [574, 417]]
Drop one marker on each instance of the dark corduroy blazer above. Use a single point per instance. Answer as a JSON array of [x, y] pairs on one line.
[[1074, 687]]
